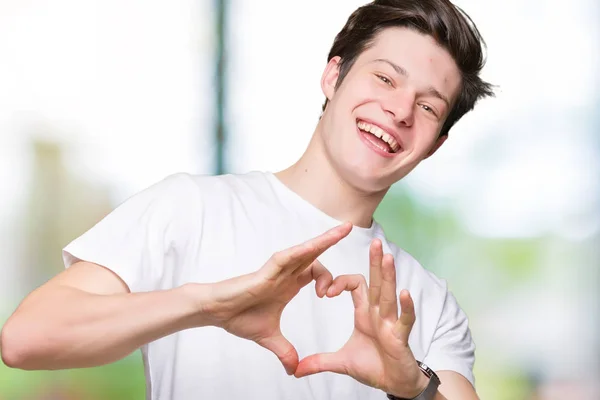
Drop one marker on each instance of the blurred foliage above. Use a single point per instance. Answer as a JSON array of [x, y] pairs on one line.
[[121, 380], [59, 207], [426, 232]]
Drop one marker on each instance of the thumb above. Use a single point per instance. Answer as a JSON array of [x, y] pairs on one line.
[[323, 362], [283, 349]]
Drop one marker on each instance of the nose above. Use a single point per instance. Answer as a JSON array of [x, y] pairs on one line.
[[400, 107]]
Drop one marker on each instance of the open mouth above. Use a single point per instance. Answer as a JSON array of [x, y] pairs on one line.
[[378, 137]]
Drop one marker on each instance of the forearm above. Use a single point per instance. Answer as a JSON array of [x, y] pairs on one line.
[[70, 328]]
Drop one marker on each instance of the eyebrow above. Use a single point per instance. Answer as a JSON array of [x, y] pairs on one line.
[[401, 71]]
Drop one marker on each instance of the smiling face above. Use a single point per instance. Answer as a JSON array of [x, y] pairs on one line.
[[387, 114]]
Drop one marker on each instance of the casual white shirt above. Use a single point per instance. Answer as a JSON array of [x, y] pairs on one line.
[[196, 228]]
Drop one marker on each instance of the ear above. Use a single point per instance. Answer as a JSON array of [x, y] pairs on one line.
[[438, 143], [330, 77]]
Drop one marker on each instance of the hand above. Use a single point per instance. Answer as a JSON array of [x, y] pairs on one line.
[[250, 306], [377, 353]]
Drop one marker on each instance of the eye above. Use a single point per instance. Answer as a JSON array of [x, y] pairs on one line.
[[384, 80], [428, 109]]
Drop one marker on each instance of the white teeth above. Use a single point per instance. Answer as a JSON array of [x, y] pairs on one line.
[[380, 133]]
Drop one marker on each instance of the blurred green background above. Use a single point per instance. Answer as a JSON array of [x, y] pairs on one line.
[[101, 99]]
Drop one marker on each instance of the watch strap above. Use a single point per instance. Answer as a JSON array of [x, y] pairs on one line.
[[430, 391]]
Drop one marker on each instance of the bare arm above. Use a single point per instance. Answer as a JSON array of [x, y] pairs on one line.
[[85, 316], [455, 386]]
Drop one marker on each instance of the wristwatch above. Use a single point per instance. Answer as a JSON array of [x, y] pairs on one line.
[[430, 390]]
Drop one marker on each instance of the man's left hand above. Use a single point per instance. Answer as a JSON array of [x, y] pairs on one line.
[[377, 353]]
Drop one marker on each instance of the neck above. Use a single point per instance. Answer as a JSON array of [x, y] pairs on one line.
[[314, 178]]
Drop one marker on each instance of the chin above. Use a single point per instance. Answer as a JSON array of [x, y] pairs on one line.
[[364, 180], [372, 179]]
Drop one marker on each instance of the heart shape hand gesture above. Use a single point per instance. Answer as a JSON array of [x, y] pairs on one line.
[[377, 354]]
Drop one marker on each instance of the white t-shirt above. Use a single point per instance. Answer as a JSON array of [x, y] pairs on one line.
[[194, 228]]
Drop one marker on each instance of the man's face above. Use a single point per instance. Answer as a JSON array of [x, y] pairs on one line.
[[400, 89]]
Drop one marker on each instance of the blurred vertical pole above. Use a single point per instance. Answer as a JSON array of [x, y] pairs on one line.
[[220, 100], [595, 261]]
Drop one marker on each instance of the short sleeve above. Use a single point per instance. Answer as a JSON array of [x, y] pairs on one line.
[[452, 347], [135, 238]]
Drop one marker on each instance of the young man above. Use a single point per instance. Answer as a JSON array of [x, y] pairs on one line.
[[189, 266]]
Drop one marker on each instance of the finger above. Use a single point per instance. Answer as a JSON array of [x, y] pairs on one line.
[[331, 362], [407, 316], [323, 278], [356, 284], [283, 349], [375, 258], [388, 302], [300, 256], [317, 246], [320, 274]]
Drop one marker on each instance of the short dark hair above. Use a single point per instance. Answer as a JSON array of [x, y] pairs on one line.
[[449, 25]]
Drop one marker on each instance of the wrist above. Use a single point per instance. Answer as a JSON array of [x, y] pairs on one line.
[[195, 296], [424, 389], [411, 392]]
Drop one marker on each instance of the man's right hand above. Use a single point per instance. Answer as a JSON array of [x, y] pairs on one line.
[[250, 306]]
